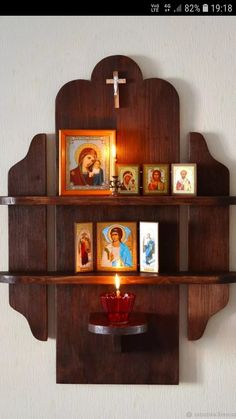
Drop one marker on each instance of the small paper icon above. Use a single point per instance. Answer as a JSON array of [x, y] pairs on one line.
[[205, 8]]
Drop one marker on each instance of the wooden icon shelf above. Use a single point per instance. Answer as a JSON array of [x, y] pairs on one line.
[[147, 131]]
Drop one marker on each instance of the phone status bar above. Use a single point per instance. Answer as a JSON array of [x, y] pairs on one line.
[[123, 8], [173, 8]]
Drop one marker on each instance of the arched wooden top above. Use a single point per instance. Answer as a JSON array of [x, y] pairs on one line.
[[147, 121], [125, 65]]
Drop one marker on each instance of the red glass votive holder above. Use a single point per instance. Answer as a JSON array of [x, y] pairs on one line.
[[118, 306]]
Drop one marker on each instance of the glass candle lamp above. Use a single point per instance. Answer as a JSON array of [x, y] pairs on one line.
[[117, 305]]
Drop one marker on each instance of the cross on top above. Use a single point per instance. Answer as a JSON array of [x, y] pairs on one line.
[[116, 81]]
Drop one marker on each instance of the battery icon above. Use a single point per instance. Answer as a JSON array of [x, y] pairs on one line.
[[205, 8]]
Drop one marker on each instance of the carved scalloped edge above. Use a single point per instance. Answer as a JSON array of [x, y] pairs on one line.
[[28, 177], [206, 300], [199, 153], [216, 296], [20, 296], [96, 76]]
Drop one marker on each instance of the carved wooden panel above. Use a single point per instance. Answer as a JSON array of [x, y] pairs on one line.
[[208, 238], [27, 236], [147, 126]]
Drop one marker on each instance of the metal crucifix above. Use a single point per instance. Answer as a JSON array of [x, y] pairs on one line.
[[116, 81]]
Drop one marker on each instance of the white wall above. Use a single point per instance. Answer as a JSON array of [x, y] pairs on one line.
[[38, 55]]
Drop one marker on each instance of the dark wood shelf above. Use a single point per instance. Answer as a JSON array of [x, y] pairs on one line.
[[119, 200], [105, 278]]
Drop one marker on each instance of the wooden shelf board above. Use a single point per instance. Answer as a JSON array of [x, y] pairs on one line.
[[105, 278], [119, 200]]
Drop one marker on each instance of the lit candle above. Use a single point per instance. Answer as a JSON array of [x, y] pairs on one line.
[[117, 305], [117, 284], [113, 151]]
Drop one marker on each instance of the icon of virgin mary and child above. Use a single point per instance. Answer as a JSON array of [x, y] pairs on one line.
[[88, 171]]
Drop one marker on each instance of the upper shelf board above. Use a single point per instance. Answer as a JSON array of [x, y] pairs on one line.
[[118, 200]]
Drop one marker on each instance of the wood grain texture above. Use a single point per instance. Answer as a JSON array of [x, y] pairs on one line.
[[208, 238], [119, 200], [89, 358], [27, 236], [147, 127]]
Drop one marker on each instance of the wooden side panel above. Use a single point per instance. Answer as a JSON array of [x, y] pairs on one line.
[[147, 125], [27, 236], [208, 238]]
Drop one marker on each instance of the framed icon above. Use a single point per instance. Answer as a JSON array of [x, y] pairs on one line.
[[84, 247], [156, 179], [148, 246], [86, 161], [117, 246], [128, 175], [184, 179]]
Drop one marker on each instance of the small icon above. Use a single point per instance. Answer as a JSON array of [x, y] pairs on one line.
[[155, 8], [205, 8], [167, 7], [178, 9]]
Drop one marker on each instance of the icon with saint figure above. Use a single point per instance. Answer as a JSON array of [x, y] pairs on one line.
[[148, 246], [83, 247], [116, 246]]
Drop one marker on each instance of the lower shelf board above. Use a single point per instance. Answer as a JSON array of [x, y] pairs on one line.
[[99, 323]]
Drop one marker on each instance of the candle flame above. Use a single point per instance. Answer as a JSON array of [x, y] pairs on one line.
[[117, 282]]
